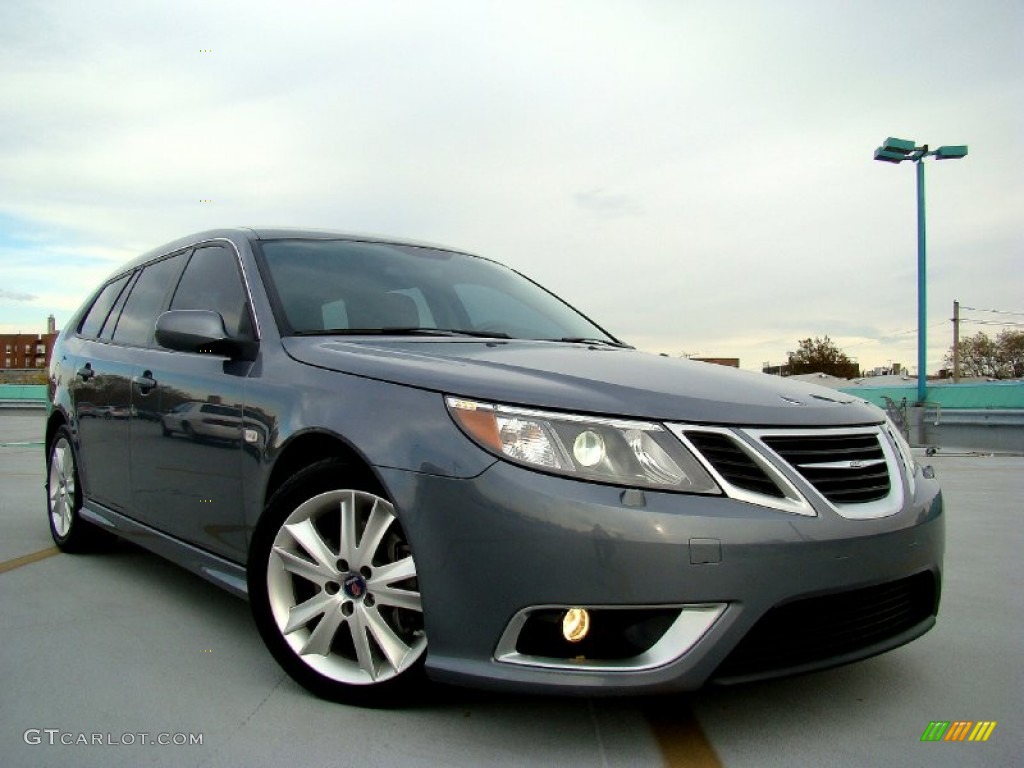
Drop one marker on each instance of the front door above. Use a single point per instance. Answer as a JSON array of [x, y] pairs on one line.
[[186, 431]]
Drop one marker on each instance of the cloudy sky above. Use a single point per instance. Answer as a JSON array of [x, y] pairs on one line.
[[696, 175]]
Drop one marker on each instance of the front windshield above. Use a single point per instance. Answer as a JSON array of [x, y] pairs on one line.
[[344, 286]]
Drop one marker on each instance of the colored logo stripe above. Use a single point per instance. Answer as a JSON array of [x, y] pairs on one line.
[[935, 731], [982, 731], [958, 730]]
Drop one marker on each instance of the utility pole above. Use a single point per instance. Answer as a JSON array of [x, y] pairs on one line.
[[956, 341]]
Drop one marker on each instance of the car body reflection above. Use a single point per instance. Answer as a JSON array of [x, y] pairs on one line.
[[198, 421]]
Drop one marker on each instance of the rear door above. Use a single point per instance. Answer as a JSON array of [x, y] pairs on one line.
[[100, 391]]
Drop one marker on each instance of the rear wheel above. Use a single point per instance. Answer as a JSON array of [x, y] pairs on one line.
[[333, 589], [64, 499]]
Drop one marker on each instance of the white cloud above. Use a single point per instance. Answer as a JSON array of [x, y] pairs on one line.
[[691, 175], [15, 295]]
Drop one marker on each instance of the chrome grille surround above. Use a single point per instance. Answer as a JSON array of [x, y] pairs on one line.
[[790, 499], [781, 471]]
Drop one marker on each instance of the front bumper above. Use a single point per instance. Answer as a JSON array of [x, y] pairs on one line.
[[511, 541]]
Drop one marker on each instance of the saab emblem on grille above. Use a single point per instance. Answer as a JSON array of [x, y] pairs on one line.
[[852, 464]]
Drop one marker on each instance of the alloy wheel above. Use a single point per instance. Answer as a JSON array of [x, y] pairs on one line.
[[342, 589], [62, 487]]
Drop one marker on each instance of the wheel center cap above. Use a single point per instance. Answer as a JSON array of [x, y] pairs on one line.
[[354, 586]]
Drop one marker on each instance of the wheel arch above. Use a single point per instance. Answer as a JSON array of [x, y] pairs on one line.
[[307, 448], [54, 421]]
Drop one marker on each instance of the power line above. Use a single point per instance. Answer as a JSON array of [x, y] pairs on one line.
[[995, 311], [889, 336], [991, 322]]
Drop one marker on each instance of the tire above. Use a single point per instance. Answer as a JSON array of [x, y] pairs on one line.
[[341, 613], [64, 499]]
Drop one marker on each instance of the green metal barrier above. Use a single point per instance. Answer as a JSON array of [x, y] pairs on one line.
[[994, 394], [22, 394]]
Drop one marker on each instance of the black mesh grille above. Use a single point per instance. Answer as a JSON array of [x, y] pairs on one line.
[[866, 479], [733, 463], [819, 628]]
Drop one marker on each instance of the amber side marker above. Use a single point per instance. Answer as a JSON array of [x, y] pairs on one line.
[[35, 557], [679, 736]]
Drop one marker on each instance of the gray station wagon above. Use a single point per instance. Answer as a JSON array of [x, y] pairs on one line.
[[416, 463]]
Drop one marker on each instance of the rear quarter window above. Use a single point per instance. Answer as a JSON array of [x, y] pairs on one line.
[[93, 321]]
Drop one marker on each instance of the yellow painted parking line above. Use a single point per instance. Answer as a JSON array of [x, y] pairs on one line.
[[35, 557], [680, 738]]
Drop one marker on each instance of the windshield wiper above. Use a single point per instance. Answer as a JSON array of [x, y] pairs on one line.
[[588, 340], [404, 331], [416, 331]]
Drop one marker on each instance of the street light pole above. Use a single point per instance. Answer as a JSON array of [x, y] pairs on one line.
[[896, 151]]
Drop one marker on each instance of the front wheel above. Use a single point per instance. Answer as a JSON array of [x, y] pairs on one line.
[[333, 590]]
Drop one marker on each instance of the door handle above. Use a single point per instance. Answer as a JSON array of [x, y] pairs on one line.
[[85, 372], [146, 383]]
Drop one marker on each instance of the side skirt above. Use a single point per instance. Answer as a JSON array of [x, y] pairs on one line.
[[224, 573]]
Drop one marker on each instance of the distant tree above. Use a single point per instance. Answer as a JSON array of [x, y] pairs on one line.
[[821, 356], [1011, 345], [999, 358]]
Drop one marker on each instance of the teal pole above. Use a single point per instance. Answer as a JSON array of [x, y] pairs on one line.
[[896, 151], [922, 298]]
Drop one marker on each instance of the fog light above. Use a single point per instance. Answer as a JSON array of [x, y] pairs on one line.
[[575, 624]]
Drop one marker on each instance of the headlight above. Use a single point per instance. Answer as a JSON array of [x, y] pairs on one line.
[[619, 451]]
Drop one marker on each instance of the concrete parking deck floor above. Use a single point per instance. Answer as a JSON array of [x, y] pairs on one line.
[[112, 646]]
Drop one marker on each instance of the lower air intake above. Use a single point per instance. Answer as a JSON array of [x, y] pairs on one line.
[[820, 628]]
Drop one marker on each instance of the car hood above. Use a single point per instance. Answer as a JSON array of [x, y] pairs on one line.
[[586, 378]]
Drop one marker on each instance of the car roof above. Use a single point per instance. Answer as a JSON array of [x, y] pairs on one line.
[[239, 234]]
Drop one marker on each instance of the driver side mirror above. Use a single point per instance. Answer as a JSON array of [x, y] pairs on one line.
[[200, 330]]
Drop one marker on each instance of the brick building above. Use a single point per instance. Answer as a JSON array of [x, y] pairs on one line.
[[27, 350], [729, 362]]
